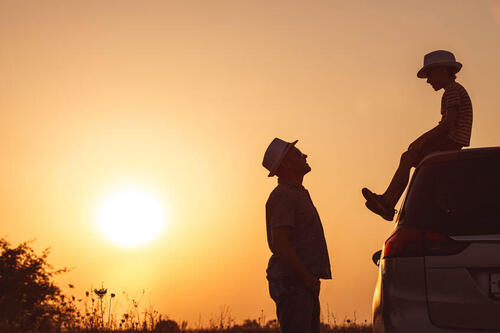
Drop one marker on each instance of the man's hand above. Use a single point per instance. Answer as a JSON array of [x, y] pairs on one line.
[[282, 246], [313, 284]]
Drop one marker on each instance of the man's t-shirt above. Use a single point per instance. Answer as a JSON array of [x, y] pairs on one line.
[[456, 95], [291, 205]]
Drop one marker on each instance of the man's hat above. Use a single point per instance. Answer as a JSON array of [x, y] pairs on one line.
[[275, 154], [438, 59]]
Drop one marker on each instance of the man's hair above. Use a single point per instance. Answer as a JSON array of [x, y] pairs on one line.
[[279, 171]]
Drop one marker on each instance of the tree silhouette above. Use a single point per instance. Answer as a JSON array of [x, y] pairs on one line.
[[29, 299]]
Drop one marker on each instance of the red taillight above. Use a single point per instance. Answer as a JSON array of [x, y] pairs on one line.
[[414, 242], [405, 242]]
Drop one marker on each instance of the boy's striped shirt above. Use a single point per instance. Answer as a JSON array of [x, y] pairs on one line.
[[456, 95]]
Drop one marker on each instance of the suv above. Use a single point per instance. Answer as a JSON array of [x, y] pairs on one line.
[[439, 271]]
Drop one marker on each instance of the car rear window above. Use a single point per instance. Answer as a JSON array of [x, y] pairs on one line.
[[460, 197]]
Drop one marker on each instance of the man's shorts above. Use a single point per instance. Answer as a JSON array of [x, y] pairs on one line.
[[437, 144], [297, 307]]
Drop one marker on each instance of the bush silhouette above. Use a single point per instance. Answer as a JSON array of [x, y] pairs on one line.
[[29, 299], [167, 326]]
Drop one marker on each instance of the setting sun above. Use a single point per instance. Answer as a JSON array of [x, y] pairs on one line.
[[130, 216]]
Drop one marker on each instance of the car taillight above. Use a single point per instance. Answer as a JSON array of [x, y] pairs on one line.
[[414, 242]]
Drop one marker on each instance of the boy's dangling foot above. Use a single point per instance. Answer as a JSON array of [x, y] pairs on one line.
[[377, 204]]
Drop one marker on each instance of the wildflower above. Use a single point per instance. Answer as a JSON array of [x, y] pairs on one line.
[[109, 311], [100, 292]]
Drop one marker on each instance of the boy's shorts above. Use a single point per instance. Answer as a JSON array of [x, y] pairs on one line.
[[437, 144]]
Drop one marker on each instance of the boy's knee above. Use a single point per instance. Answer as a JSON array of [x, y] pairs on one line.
[[407, 158]]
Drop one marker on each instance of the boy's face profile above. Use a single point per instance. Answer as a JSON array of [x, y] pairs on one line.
[[438, 77]]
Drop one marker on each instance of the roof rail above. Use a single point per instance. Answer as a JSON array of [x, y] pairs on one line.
[[469, 153]]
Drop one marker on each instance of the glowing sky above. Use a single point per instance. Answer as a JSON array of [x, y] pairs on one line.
[[183, 97]]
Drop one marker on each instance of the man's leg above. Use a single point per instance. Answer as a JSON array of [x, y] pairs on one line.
[[315, 322], [295, 306]]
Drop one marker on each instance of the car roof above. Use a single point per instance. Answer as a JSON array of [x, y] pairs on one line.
[[470, 153]]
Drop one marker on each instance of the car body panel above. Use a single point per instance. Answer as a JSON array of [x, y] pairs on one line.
[[458, 288], [400, 300]]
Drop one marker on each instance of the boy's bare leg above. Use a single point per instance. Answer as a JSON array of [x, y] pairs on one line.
[[400, 179]]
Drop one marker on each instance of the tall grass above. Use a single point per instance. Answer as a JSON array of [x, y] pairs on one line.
[[31, 302], [94, 313]]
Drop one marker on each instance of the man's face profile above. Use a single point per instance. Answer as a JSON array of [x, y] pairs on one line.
[[296, 161]]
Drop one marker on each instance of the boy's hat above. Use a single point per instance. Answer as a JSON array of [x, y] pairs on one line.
[[438, 59], [275, 154]]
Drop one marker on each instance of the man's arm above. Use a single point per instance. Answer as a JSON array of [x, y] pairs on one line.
[[283, 247], [443, 127]]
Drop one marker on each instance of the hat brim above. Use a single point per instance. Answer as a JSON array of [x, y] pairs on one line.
[[422, 73], [273, 171]]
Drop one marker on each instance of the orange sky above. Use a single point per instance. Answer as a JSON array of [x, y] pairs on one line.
[[183, 98]]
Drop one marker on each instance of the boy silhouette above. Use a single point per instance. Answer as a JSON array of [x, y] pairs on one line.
[[452, 133]]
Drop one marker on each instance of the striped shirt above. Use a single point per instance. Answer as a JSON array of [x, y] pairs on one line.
[[456, 95]]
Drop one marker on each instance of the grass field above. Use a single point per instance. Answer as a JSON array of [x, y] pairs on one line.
[[236, 329], [48, 308]]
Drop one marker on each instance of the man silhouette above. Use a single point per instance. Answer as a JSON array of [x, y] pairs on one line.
[[296, 239], [452, 133]]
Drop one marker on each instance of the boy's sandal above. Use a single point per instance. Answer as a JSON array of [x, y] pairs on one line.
[[387, 214], [373, 197], [376, 204]]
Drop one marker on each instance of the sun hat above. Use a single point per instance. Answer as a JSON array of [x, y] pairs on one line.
[[275, 154], [438, 58]]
